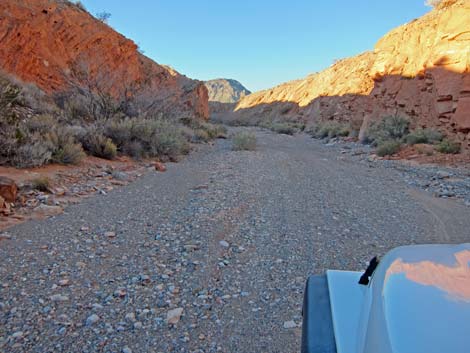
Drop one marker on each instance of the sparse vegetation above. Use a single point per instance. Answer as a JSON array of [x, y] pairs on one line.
[[329, 129], [148, 138], [99, 145], [41, 183], [388, 148], [103, 16], [423, 136], [204, 131], [63, 146], [62, 128], [286, 128], [244, 141], [449, 147], [427, 150], [389, 128]]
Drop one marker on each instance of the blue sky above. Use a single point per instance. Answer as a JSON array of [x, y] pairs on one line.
[[261, 43]]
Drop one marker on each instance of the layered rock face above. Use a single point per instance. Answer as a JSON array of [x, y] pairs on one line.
[[419, 70], [47, 42], [226, 90]]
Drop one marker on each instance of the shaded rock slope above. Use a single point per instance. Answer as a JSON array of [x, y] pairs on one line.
[[55, 44], [419, 70]]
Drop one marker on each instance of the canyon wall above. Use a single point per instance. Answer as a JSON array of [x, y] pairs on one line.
[[419, 70], [55, 44]]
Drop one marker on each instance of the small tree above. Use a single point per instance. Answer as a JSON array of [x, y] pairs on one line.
[[103, 16]]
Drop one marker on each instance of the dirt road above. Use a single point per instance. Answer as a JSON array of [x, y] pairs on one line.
[[210, 256]]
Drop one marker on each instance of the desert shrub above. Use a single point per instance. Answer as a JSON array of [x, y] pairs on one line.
[[286, 128], [151, 137], [169, 144], [388, 148], [41, 124], [133, 149], [9, 95], [244, 141], [41, 183], [355, 127], [203, 131], [389, 128], [34, 154], [200, 135], [329, 129], [99, 145], [423, 136], [219, 131], [283, 128], [449, 147], [214, 131], [63, 146], [120, 132], [424, 149], [74, 105], [103, 16]]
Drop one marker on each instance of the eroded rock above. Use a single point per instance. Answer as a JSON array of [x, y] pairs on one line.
[[8, 189]]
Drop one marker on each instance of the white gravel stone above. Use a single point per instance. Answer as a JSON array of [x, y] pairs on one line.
[[92, 319], [174, 316], [290, 324], [224, 244]]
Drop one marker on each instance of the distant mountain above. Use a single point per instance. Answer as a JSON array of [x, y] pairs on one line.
[[226, 90]]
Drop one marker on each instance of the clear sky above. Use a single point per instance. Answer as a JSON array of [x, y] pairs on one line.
[[261, 43]]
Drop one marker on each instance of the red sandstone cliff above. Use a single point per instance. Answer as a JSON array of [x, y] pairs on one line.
[[419, 70], [45, 41]]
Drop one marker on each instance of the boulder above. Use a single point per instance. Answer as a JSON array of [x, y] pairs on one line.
[[8, 189]]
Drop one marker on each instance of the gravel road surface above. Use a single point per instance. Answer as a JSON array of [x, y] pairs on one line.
[[212, 255]]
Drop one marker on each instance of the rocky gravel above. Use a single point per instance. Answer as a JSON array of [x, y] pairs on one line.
[[212, 255], [439, 181]]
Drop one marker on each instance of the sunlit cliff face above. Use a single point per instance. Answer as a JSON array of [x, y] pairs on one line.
[[454, 280], [420, 70]]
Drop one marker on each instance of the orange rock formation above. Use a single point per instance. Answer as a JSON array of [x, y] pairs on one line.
[[44, 41], [419, 70]]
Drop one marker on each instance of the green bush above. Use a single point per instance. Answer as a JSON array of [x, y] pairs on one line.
[[449, 147], [244, 141], [388, 148], [389, 128], [423, 136]]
